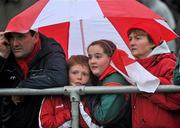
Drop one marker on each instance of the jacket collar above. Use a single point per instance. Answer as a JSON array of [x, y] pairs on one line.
[[161, 49], [48, 45]]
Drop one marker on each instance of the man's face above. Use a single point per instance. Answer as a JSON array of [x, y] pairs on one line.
[[22, 44]]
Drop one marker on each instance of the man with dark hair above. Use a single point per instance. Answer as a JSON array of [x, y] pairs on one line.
[[28, 60]]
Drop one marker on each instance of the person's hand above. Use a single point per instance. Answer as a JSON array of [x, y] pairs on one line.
[[17, 99], [4, 46]]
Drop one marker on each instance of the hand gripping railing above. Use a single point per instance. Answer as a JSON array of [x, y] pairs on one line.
[[75, 91]]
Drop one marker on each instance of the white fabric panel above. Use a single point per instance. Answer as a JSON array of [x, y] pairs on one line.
[[67, 124], [87, 118], [160, 49], [140, 77], [145, 81], [94, 30], [75, 40], [39, 120], [58, 11]]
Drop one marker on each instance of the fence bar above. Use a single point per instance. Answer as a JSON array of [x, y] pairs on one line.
[[76, 91], [127, 89], [28, 91], [75, 99], [83, 90]]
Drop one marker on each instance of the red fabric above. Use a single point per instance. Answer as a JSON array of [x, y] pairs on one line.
[[109, 8], [23, 63], [122, 25], [109, 70], [24, 67], [60, 32], [119, 8], [56, 110], [117, 12], [160, 66], [23, 21], [156, 110], [112, 83], [120, 60]]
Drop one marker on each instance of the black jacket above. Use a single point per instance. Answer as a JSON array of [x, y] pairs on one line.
[[48, 69], [176, 73]]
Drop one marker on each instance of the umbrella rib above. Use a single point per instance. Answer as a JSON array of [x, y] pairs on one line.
[[82, 37]]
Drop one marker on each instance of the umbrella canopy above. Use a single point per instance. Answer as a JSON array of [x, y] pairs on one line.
[[76, 23], [101, 19]]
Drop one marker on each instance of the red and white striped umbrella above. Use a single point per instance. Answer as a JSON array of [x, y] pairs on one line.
[[76, 23]]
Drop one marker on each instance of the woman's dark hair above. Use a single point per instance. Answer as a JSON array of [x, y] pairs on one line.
[[108, 46]]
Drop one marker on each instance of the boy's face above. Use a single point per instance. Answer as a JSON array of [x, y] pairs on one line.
[[79, 75]]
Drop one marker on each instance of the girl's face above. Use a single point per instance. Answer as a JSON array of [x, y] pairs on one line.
[[98, 60], [79, 75], [140, 46]]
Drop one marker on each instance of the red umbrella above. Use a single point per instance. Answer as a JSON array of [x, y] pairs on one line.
[[106, 17], [76, 23]]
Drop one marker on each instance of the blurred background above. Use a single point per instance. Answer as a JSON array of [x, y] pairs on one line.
[[170, 11], [10, 8]]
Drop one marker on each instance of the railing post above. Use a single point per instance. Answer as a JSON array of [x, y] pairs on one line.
[[75, 99]]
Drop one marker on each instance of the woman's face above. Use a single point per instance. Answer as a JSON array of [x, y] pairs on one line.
[[140, 46], [79, 75], [98, 60]]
